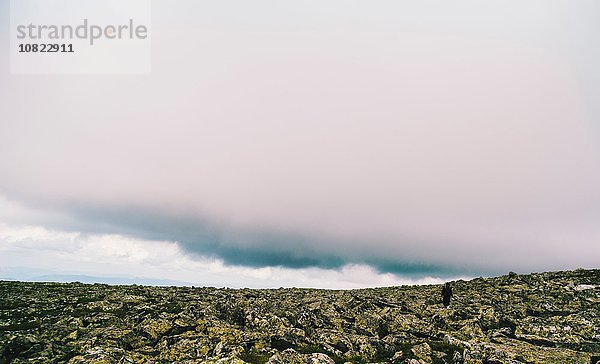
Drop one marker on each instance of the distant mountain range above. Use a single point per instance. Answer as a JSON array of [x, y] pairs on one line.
[[39, 275]]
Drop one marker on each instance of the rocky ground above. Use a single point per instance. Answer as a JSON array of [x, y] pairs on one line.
[[538, 318]]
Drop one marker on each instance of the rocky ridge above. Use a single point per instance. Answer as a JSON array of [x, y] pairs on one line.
[[538, 318]]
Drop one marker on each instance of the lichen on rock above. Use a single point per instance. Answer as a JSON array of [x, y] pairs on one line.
[[537, 318]]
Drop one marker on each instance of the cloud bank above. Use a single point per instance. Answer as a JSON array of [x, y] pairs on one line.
[[303, 139], [36, 253]]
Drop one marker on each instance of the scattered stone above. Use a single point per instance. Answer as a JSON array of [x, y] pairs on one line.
[[537, 318]]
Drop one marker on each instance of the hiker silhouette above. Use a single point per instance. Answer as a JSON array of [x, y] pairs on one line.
[[447, 294]]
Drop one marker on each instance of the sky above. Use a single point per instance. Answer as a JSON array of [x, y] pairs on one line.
[[333, 144]]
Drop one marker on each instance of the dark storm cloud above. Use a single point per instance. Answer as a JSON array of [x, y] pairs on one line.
[[244, 247]]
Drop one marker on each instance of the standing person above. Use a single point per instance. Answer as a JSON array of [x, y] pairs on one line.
[[447, 294]]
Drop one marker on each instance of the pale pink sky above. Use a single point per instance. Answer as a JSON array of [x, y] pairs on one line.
[[456, 135]]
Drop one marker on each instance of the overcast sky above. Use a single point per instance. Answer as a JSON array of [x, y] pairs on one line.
[[314, 143]]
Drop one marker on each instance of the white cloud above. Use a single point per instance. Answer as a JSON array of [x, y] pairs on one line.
[[37, 248]]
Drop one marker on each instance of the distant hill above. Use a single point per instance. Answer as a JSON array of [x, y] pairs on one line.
[[537, 318], [106, 280], [32, 275]]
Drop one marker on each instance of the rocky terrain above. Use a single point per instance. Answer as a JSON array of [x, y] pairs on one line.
[[537, 318]]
